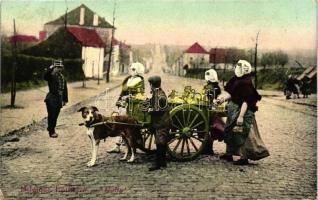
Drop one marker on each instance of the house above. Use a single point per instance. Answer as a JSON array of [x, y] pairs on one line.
[[125, 57], [81, 17], [195, 57], [82, 21], [310, 74], [23, 41], [217, 55], [74, 43], [121, 57], [92, 51], [115, 66]]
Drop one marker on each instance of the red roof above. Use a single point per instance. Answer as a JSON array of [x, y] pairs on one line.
[[196, 48], [87, 37], [217, 55], [23, 38]]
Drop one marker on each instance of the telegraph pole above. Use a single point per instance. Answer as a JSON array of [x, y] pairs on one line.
[[111, 45], [255, 60], [65, 30]]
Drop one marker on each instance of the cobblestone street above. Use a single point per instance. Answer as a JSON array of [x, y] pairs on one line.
[[204, 99], [41, 167]]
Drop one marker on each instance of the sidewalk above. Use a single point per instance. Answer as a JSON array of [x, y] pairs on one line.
[[31, 107], [306, 106], [279, 95]]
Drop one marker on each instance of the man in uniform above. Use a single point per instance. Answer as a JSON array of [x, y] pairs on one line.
[[132, 85], [160, 121], [57, 96]]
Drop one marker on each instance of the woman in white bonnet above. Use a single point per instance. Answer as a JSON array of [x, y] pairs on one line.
[[241, 132], [132, 85], [212, 90]]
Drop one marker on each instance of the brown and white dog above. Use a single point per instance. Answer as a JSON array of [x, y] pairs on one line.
[[131, 134]]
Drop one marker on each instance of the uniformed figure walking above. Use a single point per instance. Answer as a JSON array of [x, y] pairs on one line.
[[57, 96], [160, 121]]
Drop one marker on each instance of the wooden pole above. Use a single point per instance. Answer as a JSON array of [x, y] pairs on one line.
[[84, 69], [224, 69], [14, 54], [111, 45], [65, 31], [255, 60], [98, 67]]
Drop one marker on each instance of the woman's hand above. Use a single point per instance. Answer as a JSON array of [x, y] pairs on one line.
[[221, 100], [218, 101], [239, 121]]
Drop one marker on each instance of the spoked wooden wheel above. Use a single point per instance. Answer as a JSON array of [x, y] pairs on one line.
[[189, 132], [148, 139]]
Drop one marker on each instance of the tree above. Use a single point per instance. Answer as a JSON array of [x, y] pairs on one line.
[[267, 60], [13, 79], [281, 58], [234, 55], [5, 45], [274, 58]]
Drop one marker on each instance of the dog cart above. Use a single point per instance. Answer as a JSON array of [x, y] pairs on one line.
[[191, 115]]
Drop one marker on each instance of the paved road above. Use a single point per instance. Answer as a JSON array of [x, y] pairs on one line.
[[40, 167]]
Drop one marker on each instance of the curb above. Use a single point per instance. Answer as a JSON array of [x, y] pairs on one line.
[[293, 102]]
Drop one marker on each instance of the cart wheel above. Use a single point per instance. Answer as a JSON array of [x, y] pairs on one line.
[[189, 132], [148, 139]]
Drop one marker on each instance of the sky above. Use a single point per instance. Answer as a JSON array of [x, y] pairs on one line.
[[283, 24]]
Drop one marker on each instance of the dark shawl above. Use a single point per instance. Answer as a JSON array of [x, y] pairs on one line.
[[242, 90]]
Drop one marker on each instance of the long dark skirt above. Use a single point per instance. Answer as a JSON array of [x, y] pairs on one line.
[[247, 144], [254, 147]]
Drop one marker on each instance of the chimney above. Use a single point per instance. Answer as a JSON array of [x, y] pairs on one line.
[[42, 36], [95, 20], [82, 16]]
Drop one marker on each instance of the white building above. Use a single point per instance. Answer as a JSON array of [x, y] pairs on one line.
[[93, 62], [115, 66], [81, 17], [121, 58], [195, 57], [92, 51]]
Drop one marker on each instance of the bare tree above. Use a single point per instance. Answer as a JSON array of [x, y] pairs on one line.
[[14, 54]]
